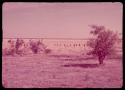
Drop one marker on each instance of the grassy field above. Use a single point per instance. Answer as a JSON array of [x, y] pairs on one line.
[[41, 71]]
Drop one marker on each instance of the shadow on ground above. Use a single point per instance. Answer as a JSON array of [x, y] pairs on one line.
[[82, 65]]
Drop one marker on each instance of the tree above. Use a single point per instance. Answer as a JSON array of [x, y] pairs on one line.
[[104, 42]]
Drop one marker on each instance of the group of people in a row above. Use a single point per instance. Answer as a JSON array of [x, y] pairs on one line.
[[20, 47]]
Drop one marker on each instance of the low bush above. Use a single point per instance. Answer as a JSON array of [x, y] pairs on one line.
[[47, 51]]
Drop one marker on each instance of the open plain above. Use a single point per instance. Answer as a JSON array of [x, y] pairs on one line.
[[48, 71]]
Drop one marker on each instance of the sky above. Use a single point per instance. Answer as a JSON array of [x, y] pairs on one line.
[[58, 20]]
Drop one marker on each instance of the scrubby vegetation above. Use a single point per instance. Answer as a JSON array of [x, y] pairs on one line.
[[19, 47]]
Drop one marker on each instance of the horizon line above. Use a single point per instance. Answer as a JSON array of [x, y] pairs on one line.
[[55, 38]]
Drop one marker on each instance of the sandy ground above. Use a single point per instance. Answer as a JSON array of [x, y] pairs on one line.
[[41, 71]]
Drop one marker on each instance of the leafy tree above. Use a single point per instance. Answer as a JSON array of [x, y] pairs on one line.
[[104, 42]]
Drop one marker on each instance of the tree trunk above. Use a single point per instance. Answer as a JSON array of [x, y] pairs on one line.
[[100, 60], [101, 57]]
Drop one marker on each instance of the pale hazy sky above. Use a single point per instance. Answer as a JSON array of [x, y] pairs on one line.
[[58, 20]]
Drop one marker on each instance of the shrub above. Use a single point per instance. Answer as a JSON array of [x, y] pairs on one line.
[[19, 43], [34, 47], [8, 52], [47, 51], [38, 46]]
